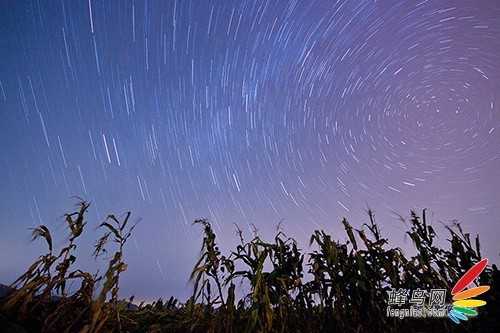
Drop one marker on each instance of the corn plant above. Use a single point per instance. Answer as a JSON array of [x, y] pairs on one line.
[[336, 286]]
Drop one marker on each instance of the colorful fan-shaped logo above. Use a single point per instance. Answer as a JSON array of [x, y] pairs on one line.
[[464, 303]]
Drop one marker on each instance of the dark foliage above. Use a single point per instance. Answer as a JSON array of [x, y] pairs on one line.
[[337, 287]]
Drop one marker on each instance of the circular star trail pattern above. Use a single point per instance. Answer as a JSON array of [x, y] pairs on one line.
[[246, 112]]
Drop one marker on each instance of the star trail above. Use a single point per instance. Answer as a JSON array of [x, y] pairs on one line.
[[246, 112]]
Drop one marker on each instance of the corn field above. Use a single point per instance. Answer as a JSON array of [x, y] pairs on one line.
[[334, 287]]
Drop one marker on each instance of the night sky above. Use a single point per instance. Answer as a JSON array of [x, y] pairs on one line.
[[247, 112]]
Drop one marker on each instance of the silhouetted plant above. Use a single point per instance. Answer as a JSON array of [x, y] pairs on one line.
[[336, 286]]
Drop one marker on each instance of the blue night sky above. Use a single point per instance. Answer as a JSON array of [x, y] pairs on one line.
[[247, 112]]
